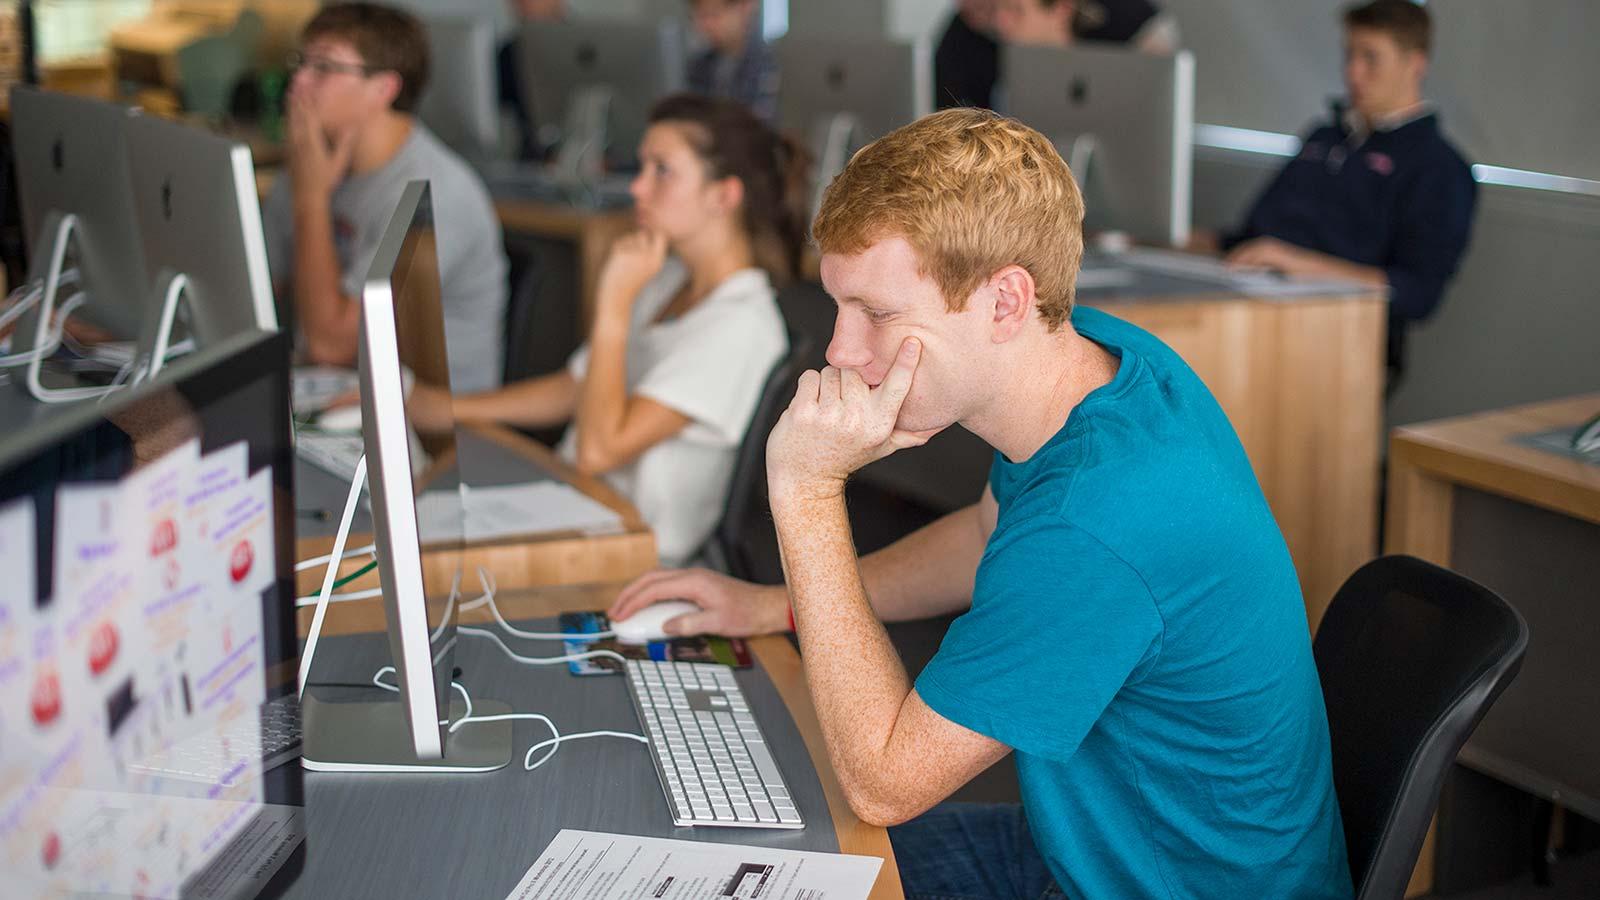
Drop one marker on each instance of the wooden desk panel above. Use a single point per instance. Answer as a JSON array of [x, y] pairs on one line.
[[776, 655]]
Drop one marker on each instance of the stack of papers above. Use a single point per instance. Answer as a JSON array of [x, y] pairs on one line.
[[490, 513]]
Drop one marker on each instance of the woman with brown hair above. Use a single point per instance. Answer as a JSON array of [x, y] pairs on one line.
[[686, 325]]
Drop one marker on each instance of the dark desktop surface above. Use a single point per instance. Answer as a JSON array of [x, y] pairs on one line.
[[474, 835]]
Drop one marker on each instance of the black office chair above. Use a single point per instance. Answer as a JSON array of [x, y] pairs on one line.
[[744, 544], [1410, 656]]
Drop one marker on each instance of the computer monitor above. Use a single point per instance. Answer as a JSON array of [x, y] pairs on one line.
[[843, 93], [459, 103], [402, 339], [883, 84], [77, 213], [571, 72], [1125, 122], [147, 548], [200, 229]]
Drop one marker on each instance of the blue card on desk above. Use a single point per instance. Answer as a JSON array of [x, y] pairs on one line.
[[701, 648]]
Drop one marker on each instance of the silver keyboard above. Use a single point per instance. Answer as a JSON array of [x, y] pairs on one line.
[[710, 755], [205, 757], [336, 454]]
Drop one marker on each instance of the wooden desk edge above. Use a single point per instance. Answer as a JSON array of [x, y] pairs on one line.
[[1476, 451]]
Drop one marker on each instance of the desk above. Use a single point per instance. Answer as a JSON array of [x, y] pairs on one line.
[[1467, 493], [475, 835], [489, 455]]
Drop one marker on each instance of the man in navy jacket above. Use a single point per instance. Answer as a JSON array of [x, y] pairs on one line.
[[1377, 195]]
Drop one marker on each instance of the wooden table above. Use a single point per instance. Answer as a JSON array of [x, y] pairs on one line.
[[1427, 461], [532, 560], [1431, 464]]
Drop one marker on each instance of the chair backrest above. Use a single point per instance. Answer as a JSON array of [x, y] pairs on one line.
[[743, 544], [1410, 657]]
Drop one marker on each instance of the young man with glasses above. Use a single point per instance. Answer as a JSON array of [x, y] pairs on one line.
[[353, 144]]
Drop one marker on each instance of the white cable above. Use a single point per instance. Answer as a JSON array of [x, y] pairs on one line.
[[330, 575], [539, 660], [315, 561], [486, 580], [17, 307], [555, 744], [52, 343]]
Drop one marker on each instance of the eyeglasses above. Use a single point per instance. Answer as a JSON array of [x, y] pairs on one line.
[[324, 66]]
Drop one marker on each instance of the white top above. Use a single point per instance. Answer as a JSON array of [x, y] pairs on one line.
[[472, 259], [709, 364]]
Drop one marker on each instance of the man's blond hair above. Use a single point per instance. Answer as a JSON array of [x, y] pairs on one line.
[[971, 192]]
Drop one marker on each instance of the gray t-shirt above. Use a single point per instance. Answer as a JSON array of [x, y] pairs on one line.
[[472, 260]]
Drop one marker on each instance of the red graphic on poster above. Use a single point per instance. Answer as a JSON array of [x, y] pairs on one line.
[[102, 648], [46, 697], [239, 563], [164, 538], [52, 850]]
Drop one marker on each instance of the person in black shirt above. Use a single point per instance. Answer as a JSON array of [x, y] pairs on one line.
[[967, 62], [506, 71], [1377, 194]]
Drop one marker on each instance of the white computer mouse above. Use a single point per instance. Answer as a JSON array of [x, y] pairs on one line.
[[340, 418], [644, 626]]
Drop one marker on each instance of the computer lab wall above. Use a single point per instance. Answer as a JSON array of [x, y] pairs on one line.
[[1521, 321], [1516, 85]]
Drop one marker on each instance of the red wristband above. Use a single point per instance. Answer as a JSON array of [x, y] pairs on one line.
[[791, 617]]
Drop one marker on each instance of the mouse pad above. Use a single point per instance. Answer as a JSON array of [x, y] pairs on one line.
[[701, 648]]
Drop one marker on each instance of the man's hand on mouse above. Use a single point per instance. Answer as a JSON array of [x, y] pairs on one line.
[[728, 606], [836, 424]]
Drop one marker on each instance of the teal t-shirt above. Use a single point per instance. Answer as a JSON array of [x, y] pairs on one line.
[[1137, 636]]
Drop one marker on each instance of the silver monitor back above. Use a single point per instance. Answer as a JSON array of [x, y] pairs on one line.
[[400, 316], [71, 158], [198, 216], [884, 84], [460, 103], [637, 63], [1134, 115]]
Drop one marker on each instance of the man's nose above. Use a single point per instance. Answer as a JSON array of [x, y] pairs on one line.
[[848, 349]]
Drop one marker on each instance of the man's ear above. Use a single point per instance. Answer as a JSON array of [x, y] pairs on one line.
[[1419, 62], [387, 83], [1014, 301]]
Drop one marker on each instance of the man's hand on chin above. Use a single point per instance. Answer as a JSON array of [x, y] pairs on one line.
[[836, 424]]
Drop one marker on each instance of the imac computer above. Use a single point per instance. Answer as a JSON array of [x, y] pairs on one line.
[[79, 223], [200, 229], [595, 82], [843, 93], [147, 630], [1124, 121], [402, 338], [459, 103]]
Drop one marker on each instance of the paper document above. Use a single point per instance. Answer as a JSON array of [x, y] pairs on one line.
[[497, 512], [589, 864]]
